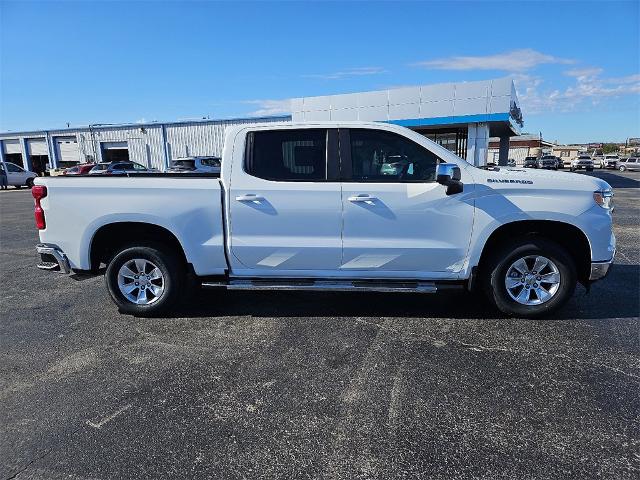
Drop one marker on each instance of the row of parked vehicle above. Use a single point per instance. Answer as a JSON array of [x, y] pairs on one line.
[[583, 162], [19, 177], [179, 165]]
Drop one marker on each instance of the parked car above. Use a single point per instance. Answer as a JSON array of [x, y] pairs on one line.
[[18, 176], [548, 161], [195, 165], [582, 162], [54, 172], [632, 164], [285, 214], [560, 162], [511, 163], [611, 161], [119, 168], [531, 162], [82, 169], [598, 161]]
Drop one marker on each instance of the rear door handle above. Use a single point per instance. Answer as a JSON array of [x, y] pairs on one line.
[[363, 197], [249, 197]]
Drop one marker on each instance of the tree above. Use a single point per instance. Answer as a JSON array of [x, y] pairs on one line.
[[609, 148]]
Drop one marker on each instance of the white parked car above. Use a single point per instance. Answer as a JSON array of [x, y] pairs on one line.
[[18, 176], [598, 161], [611, 161], [583, 162], [195, 165], [316, 206]]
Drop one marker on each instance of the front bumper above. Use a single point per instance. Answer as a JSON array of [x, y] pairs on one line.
[[600, 270], [52, 258]]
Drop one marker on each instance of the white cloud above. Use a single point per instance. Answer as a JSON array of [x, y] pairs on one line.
[[513, 61], [588, 89], [584, 72], [352, 72], [624, 80], [270, 107]]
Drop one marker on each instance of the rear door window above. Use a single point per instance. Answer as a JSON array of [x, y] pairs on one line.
[[287, 155]]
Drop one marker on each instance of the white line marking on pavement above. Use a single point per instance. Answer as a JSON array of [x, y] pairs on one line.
[[108, 418]]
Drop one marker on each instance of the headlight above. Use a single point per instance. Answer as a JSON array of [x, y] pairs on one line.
[[604, 198]]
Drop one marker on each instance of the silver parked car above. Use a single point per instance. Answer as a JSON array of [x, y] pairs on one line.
[[548, 161], [119, 168], [18, 176], [632, 164]]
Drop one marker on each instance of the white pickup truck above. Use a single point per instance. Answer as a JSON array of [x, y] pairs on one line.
[[332, 206]]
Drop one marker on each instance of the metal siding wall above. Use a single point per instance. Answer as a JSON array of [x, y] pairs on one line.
[[515, 153], [202, 138]]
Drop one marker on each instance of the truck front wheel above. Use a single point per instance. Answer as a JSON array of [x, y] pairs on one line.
[[530, 278], [145, 280]]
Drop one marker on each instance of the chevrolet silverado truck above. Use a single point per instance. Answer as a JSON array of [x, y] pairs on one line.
[[331, 206]]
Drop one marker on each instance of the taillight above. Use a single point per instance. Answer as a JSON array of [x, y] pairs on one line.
[[39, 192]]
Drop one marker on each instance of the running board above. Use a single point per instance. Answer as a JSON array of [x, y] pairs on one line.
[[327, 285]]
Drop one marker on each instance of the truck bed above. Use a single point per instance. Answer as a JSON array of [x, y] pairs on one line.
[[187, 205]]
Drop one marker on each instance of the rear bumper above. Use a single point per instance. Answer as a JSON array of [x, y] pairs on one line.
[[52, 258]]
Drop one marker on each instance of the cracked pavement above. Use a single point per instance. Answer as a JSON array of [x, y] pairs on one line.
[[316, 385]]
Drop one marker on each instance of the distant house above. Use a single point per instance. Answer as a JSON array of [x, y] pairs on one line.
[[567, 153], [520, 147]]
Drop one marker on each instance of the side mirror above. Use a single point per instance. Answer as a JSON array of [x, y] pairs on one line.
[[449, 175]]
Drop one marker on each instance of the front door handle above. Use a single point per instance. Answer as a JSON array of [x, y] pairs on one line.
[[249, 197], [363, 197]]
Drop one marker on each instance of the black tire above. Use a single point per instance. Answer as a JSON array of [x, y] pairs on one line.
[[171, 266], [29, 183], [622, 168], [494, 273], [18, 187]]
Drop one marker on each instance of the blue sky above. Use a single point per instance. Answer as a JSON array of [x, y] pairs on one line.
[[576, 64]]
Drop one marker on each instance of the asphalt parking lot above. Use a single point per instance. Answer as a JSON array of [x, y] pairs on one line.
[[311, 385]]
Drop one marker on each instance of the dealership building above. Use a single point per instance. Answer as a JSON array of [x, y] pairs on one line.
[[460, 116]]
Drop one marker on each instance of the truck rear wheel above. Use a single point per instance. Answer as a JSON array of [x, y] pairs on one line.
[[145, 280], [530, 278]]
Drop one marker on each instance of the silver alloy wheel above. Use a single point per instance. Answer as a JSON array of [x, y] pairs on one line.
[[532, 280], [141, 281]]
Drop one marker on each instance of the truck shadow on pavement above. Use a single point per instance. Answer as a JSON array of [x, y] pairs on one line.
[[615, 297], [615, 180]]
